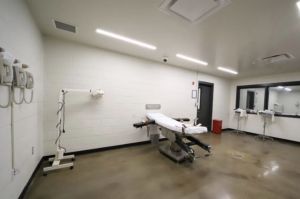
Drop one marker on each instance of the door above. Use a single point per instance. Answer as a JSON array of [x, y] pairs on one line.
[[205, 104], [250, 100]]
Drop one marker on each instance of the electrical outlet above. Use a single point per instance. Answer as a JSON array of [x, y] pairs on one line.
[[32, 150]]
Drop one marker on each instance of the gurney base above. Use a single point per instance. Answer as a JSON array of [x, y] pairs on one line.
[[175, 156]]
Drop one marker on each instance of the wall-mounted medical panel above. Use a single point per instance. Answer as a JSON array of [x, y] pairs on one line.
[[13, 74]]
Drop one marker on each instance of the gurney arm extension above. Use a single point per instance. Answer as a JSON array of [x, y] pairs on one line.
[[183, 145], [198, 142]]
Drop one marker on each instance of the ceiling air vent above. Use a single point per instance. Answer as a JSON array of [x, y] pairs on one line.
[[64, 26], [278, 58], [193, 11]]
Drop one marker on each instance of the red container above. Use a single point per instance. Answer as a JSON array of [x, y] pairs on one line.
[[217, 126]]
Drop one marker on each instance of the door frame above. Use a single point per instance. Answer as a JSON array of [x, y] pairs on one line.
[[211, 85]]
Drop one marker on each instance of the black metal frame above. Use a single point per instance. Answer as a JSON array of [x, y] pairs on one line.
[[212, 98], [186, 147], [267, 91]]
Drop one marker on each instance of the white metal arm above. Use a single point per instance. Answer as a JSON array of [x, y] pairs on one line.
[[60, 150]]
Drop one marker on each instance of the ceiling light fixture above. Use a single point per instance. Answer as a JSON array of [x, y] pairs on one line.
[[280, 87], [228, 70], [181, 56], [288, 89], [126, 39], [298, 4], [284, 88]]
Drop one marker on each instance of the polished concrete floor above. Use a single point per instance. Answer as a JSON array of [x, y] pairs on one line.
[[240, 167]]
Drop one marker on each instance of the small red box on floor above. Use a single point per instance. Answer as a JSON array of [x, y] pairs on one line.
[[217, 126]]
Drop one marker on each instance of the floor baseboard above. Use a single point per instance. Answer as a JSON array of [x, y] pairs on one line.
[[82, 152], [227, 129]]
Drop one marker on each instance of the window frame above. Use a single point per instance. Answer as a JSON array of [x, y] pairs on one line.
[[266, 97]]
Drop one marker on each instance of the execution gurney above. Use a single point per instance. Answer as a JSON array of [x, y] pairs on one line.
[[176, 132]]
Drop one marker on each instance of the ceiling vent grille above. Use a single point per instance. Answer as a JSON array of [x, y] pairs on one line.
[[193, 11], [278, 58], [64, 26]]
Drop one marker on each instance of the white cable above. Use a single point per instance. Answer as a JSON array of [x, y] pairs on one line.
[[61, 123], [14, 97], [8, 103], [31, 97]]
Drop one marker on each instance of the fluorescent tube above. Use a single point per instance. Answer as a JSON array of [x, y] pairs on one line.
[[126, 39]]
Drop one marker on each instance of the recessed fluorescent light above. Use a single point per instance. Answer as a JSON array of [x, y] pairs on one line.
[[288, 89], [191, 59], [126, 39], [227, 70], [298, 4], [280, 87]]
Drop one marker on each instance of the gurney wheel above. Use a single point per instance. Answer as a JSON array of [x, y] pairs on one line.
[[45, 174], [191, 156], [72, 167]]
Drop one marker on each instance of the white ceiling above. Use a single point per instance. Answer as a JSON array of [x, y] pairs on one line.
[[234, 37]]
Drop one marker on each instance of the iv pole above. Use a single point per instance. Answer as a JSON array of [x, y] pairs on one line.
[[263, 136]]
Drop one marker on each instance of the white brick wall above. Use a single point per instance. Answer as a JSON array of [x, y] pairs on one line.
[[128, 82], [20, 36]]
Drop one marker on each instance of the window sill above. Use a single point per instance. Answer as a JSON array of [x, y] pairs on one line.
[[279, 115], [290, 116]]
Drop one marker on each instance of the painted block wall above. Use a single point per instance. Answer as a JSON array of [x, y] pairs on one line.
[[20, 36], [285, 128], [128, 82]]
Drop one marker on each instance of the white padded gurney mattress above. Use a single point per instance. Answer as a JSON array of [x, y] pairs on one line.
[[174, 125]]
